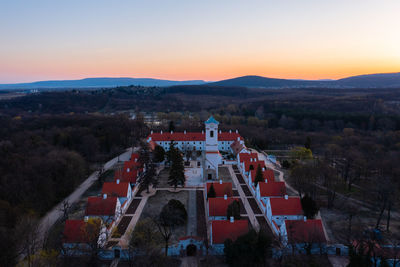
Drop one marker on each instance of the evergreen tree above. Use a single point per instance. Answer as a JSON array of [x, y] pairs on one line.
[[177, 170], [233, 210], [159, 154], [259, 176], [310, 207], [211, 192], [171, 152], [144, 154], [149, 177], [171, 126]]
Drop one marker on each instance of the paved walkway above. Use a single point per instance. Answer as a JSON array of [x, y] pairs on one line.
[[189, 262], [252, 218], [338, 261], [53, 215], [124, 239], [191, 229]]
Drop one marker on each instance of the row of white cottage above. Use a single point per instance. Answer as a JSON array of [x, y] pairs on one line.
[[284, 213]]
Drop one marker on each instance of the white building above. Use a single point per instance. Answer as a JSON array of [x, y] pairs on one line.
[[210, 142]]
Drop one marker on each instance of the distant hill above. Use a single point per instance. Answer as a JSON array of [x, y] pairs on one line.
[[264, 82], [386, 80], [372, 80], [97, 83]]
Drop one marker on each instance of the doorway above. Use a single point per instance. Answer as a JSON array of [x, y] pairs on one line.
[[191, 250], [117, 253]]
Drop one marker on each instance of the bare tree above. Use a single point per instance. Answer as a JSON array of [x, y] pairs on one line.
[[65, 209], [27, 233]]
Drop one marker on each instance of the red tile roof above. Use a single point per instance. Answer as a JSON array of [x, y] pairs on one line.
[[221, 189], [272, 189], [282, 206], [267, 174], [74, 231], [134, 156], [227, 136], [114, 189], [132, 164], [222, 230], [196, 136], [248, 163], [125, 176], [100, 206], [246, 156], [236, 147], [300, 231], [219, 206]]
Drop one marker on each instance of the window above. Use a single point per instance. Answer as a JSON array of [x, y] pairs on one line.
[[211, 133]]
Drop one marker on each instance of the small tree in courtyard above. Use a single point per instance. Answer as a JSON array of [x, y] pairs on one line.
[[233, 210], [310, 207], [259, 176], [149, 177], [159, 154], [211, 192], [177, 170]]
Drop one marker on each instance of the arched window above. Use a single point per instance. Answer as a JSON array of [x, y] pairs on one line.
[[211, 133]]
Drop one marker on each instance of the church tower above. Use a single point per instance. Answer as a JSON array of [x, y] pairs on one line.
[[213, 157]]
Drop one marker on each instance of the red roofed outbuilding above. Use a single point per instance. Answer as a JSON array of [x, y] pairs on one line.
[[268, 175], [221, 188], [122, 190], [284, 208], [223, 230], [271, 189], [303, 231], [217, 207], [106, 208], [74, 232]]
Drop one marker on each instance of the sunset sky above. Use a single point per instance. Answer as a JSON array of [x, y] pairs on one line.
[[207, 39]]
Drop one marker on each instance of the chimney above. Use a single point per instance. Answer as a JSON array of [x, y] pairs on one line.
[[117, 181], [225, 197], [232, 219], [151, 132], [184, 131], [104, 196], [161, 132], [220, 181], [230, 131], [86, 219], [305, 218], [237, 131], [286, 197]]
